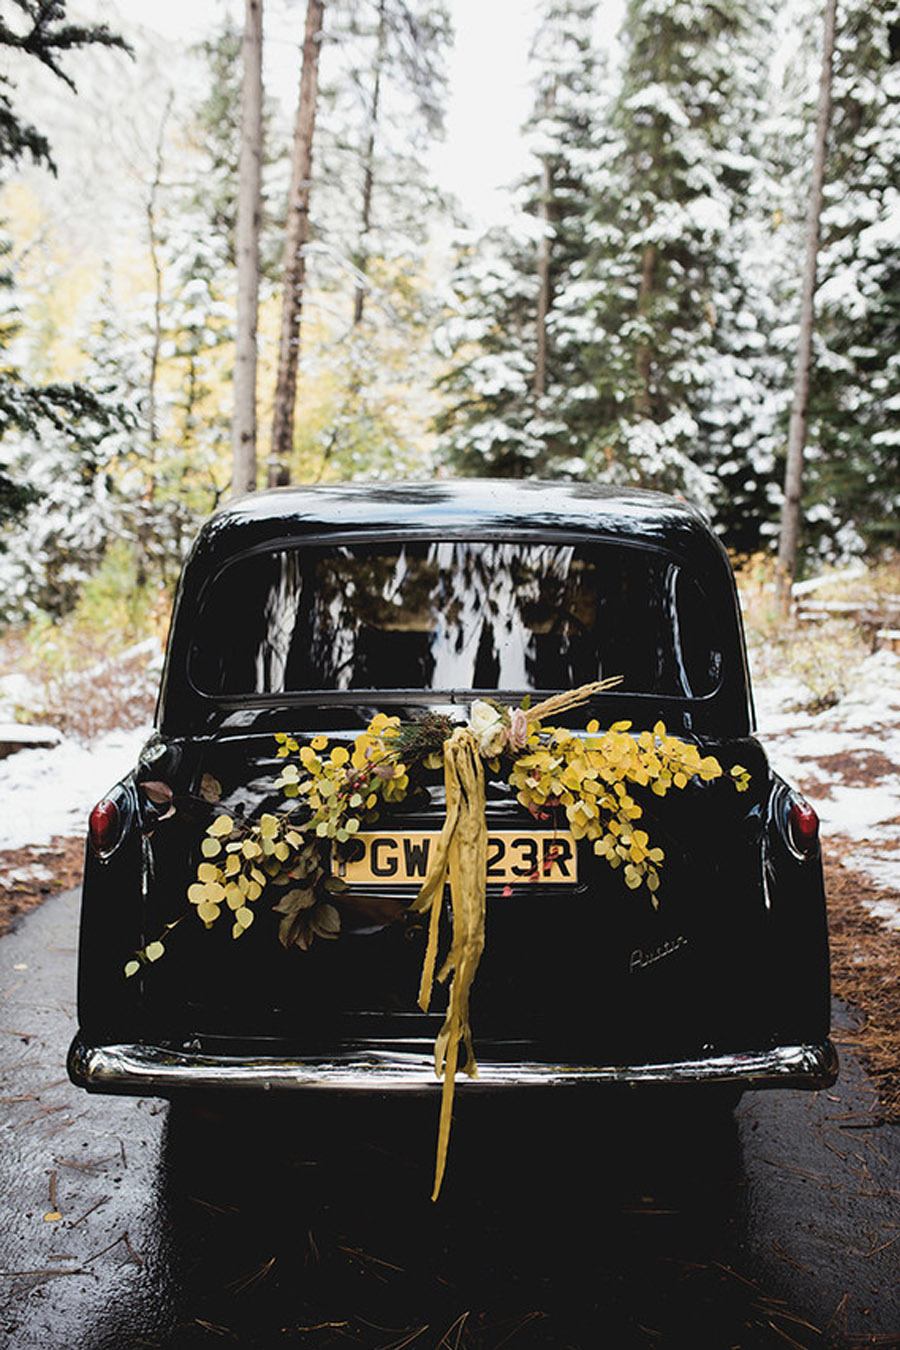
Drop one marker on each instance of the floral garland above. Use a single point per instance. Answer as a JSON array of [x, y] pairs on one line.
[[332, 794]]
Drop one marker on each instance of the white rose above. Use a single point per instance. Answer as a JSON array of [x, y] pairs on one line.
[[487, 726]]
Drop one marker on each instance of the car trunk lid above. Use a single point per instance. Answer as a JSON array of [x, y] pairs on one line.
[[579, 968]]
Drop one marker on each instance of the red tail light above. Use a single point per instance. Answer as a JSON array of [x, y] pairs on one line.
[[803, 827], [104, 827]]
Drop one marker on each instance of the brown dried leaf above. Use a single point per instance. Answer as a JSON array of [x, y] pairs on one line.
[[293, 901], [210, 788], [326, 921], [294, 931]]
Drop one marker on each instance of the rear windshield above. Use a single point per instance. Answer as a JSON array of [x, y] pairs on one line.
[[451, 615]]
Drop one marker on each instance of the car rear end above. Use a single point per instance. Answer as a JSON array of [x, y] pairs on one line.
[[582, 979]]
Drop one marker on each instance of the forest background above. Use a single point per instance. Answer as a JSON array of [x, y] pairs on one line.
[[628, 312]]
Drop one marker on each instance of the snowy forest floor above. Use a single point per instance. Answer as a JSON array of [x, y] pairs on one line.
[[845, 757]]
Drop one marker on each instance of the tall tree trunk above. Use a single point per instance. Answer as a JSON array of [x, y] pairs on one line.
[[296, 239], [539, 384], [643, 401], [361, 260], [249, 209], [789, 536], [144, 526]]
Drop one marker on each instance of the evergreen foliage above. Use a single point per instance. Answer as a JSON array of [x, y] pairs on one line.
[[39, 28], [71, 505], [383, 98], [855, 406], [655, 331], [635, 321], [676, 333], [670, 209], [59, 409], [501, 418], [381, 109]]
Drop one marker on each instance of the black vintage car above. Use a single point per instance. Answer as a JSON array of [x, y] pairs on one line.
[[304, 612]]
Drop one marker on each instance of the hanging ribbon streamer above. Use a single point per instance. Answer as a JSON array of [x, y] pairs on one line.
[[461, 857]]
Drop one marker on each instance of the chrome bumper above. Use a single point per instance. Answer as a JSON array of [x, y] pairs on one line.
[[148, 1070]]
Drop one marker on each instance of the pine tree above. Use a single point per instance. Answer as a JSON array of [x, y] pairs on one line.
[[384, 105], [38, 29], [854, 476], [75, 508], [198, 323], [677, 337], [227, 164], [380, 108], [180, 326], [519, 400], [42, 32]]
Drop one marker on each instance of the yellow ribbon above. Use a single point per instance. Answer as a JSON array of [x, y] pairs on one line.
[[461, 854]]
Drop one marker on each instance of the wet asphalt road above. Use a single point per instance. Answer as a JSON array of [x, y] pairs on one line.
[[575, 1223]]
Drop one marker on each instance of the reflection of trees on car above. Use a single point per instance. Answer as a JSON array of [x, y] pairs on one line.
[[458, 614], [462, 614]]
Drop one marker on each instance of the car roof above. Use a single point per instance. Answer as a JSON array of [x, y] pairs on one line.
[[488, 506], [466, 509]]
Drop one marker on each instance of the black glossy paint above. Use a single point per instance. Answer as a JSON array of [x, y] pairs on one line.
[[438, 616], [734, 958]]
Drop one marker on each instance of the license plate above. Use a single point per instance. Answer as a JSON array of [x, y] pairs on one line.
[[401, 859]]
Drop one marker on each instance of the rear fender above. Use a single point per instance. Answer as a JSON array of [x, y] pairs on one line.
[[112, 907], [794, 891], [115, 893]]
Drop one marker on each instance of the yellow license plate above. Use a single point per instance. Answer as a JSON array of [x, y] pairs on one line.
[[402, 858]]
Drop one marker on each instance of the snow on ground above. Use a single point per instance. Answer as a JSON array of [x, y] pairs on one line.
[[50, 792], [847, 761], [22, 734], [16, 690]]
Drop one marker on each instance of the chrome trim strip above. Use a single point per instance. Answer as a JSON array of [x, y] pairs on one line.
[[150, 1070]]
